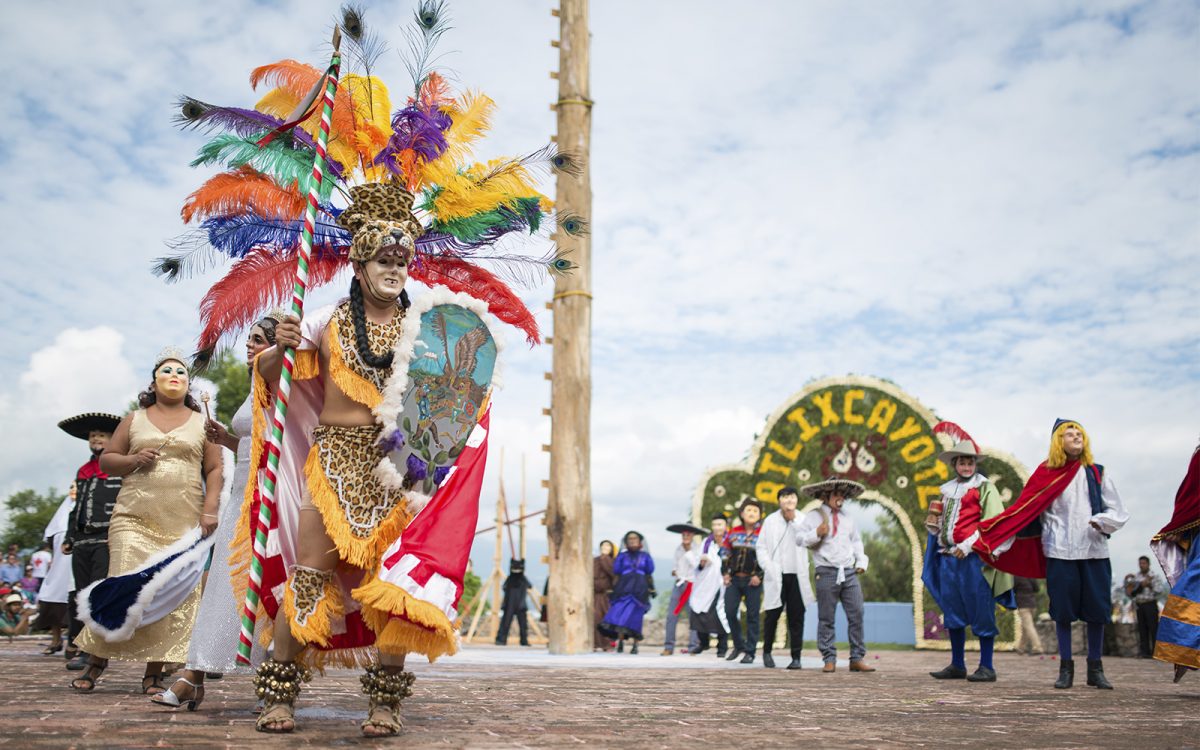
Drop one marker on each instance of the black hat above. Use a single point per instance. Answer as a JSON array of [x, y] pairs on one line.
[[81, 425], [679, 528]]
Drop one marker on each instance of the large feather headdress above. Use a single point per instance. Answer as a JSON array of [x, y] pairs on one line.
[[251, 213]]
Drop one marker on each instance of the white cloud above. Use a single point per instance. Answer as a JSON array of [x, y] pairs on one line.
[[81, 370]]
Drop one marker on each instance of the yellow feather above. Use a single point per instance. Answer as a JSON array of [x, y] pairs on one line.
[[281, 103], [470, 119], [372, 113], [463, 194]]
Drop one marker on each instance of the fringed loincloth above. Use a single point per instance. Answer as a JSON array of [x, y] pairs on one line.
[[362, 516]]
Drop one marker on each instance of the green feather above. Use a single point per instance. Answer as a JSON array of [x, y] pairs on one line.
[[474, 227], [279, 160]]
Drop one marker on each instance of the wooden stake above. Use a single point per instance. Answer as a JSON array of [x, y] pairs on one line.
[[569, 507]]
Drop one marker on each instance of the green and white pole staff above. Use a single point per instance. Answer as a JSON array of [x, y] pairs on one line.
[[266, 507]]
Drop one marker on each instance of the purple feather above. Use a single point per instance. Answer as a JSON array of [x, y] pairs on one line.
[[393, 442], [439, 474], [197, 115], [416, 129], [417, 469]]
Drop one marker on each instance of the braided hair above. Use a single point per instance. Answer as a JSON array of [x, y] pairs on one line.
[[359, 315]]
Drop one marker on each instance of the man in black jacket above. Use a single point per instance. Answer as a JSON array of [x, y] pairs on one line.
[[515, 604], [87, 530], [743, 576]]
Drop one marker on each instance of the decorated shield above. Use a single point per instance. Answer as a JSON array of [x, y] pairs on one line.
[[449, 380]]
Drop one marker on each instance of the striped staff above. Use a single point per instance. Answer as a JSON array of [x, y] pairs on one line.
[[266, 508]]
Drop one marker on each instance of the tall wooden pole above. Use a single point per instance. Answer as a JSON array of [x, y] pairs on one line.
[[521, 510], [569, 506]]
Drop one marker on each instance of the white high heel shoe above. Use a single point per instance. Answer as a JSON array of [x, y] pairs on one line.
[[169, 699]]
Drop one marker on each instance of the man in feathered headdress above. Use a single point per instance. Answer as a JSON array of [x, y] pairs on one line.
[[354, 445], [962, 585], [347, 515], [1076, 505]]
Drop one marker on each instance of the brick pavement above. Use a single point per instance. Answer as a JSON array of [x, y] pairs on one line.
[[492, 697]]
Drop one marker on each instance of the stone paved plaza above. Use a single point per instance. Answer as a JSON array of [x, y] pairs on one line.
[[493, 697]]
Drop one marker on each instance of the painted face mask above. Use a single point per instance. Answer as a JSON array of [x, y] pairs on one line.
[[171, 379]]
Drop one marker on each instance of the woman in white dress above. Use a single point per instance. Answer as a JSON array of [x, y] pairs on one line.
[[215, 637]]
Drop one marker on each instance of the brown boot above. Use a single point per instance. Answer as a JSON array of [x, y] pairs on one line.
[[860, 666], [829, 667]]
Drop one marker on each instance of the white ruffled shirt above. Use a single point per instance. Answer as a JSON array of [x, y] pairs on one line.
[[1067, 533]]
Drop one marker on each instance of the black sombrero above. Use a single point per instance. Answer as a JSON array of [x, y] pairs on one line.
[[81, 425], [679, 528]]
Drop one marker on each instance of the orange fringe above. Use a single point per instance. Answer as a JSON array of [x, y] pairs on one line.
[[361, 552], [351, 383], [318, 658], [319, 627], [241, 548], [404, 624]]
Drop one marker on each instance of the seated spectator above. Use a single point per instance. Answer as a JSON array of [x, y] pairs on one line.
[[29, 583], [14, 617]]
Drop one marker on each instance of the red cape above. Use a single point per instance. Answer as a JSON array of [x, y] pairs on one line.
[[1187, 502], [1025, 558]]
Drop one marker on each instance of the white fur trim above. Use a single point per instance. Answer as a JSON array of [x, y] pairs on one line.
[[195, 553], [417, 501], [388, 475], [438, 590]]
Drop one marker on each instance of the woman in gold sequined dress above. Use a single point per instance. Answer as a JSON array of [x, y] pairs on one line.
[[172, 483]]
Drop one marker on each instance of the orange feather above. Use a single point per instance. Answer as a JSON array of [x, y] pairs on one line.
[[297, 79], [239, 191]]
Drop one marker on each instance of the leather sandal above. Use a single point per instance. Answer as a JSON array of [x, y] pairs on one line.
[[278, 684], [382, 717], [386, 688], [170, 699], [155, 687], [86, 682], [280, 718]]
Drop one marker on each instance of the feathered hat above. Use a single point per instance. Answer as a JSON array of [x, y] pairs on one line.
[[412, 163], [964, 444]]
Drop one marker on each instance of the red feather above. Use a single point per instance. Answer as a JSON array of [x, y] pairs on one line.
[[258, 281], [956, 433], [460, 276]]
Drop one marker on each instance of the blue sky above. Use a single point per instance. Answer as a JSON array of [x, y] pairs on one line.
[[993, 205]]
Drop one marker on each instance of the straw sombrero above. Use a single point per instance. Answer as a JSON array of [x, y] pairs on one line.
[[848, 487], [962, 448]]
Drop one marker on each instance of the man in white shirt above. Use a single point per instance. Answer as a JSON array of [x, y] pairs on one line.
[[838, 556], [684, 570], [706, 605], [785, 577]]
